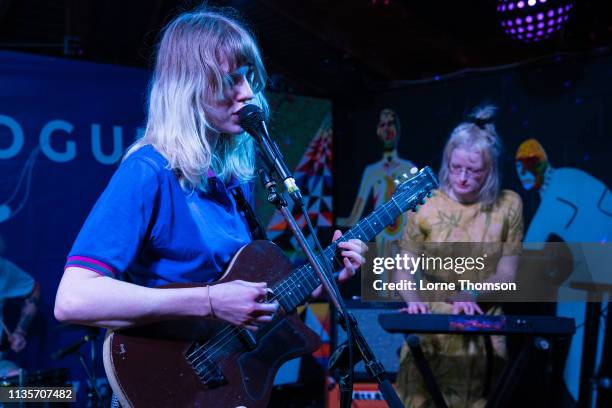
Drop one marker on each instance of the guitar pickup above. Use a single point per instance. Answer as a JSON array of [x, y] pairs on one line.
[[211, 376], [206, 369], [248, 339]]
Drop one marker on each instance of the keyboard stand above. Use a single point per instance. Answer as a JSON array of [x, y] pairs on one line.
[[505, 385], [414, 342]]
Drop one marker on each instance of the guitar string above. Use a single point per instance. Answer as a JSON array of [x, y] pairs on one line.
[[282, 289], [230, 331], [217, 347], [233, 330], [288, 283], [285, 287]]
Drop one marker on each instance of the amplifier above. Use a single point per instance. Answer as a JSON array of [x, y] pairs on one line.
[[385, 346]]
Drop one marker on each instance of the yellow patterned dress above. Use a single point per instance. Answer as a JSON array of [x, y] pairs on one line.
[[458, 362]]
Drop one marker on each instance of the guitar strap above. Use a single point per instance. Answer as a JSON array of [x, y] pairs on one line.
[[257, 230]]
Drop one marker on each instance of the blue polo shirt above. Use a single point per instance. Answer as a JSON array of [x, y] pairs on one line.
[[147, 230]]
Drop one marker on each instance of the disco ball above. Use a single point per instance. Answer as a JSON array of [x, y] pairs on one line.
[[533, 20]]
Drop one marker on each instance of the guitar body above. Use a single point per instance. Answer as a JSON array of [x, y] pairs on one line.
[[147, 365]]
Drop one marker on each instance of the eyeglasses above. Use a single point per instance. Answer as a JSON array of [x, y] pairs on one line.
[[469, 172], [245, 72]]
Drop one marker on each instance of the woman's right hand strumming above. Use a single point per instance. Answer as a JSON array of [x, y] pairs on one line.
[[82, 291], [242, 303]]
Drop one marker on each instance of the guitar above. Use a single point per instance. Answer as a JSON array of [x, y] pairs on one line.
[[212, 363]]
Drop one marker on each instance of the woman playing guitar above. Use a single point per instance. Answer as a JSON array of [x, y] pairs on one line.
[[168, 214]]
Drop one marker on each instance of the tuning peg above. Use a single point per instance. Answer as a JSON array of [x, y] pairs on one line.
[[396, 182], [414, 170], [416, 208], [405, 176], [430, 194], [422, 201]]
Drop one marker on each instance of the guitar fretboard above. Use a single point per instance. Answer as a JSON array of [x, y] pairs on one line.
[[294, 289]]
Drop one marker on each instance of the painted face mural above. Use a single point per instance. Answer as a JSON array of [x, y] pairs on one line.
[[531, 164], [388, 128]]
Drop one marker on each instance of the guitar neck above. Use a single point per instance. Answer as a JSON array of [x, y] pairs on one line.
[[294, 289]]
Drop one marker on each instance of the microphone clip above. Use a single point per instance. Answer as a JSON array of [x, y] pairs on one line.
[[252, 120]]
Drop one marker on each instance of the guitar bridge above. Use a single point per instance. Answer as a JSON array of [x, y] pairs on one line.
[[206, 369]]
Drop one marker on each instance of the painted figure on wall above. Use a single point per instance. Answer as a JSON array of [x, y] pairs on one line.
[[378, 181], [575, 207]]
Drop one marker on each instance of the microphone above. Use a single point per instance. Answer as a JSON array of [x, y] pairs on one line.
[[253, 121]]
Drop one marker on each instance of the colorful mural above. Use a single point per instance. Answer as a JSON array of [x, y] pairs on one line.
[[575, 207], [377, 182]]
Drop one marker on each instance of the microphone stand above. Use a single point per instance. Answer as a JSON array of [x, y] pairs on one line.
[[349, 323], [94, 399]]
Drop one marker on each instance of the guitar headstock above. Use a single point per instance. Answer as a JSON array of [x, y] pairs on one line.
[[413, 189]]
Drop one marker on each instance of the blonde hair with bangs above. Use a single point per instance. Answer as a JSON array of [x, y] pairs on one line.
[[477, 134], [186, 78]]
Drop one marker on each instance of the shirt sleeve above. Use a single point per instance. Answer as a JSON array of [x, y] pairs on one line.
[[118, 225]]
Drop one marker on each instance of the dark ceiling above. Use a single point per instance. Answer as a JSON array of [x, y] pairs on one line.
[[316, 47]]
